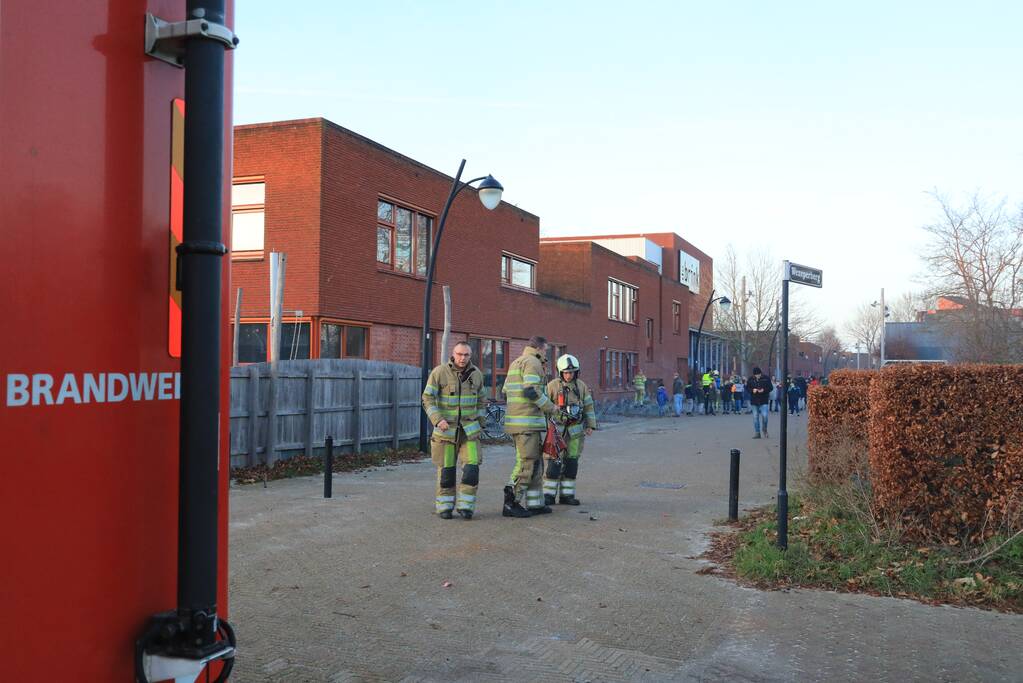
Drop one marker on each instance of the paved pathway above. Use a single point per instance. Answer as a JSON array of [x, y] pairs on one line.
[[352, 589]]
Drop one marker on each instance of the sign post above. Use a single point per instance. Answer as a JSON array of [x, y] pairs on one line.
[[812, 277]]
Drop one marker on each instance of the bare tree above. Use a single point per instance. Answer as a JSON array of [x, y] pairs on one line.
[[865, 328], [905, 308], [752, 282], [975, 259], [831, 345]]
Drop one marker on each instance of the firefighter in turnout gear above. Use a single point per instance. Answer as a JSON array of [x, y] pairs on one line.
[[526, 422], [455, 401], [577, 420], [639, 383]]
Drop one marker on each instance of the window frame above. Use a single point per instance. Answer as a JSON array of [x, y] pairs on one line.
[[676, 317], [248, 254], [390, 266], [344, 325], [507, 258], [476, 344], [622, 301]]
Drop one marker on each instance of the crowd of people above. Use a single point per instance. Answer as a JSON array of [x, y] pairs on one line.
[[712, 395]]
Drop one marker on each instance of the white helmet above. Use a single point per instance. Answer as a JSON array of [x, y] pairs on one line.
[[568, 363]]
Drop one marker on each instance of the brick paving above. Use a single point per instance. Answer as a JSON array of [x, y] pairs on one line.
[[352, 589]]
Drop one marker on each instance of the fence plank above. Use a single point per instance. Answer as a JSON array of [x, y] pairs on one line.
[[395, 407], [357, 412], [310, 409], [271, 418], [253, 425]]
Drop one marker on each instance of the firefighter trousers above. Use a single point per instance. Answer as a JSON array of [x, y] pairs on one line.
[[527, 476], [562, 479], [447, 455]]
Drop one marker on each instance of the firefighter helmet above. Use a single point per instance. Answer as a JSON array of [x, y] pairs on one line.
[[568, 363]]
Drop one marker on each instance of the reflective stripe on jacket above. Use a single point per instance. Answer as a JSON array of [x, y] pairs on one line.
[[525, 414], [579, 394], [458, 397]]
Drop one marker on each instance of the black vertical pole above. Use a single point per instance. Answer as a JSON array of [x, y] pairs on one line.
[[201, 254], [783, 494], [733, 487], [427, 337], [328, 468]]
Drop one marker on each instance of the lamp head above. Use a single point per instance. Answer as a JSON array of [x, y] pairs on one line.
[[725, 303], [490, 192]]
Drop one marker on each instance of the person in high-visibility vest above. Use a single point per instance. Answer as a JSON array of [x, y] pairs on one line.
[[707, 382], [578, 419], [455, 401], [639, 382], [526, 422]]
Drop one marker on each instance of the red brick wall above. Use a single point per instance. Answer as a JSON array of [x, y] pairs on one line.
[[287, 154], [322, 186]]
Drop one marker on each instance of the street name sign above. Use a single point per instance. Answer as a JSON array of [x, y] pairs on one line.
[[805, 275]]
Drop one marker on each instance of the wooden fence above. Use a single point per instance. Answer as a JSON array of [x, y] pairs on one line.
[[294, 409]]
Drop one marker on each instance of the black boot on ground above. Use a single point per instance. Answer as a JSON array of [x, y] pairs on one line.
[[466, 514], [511, 506], [568, 500], [446, 514], [545, 510], [548, 499]]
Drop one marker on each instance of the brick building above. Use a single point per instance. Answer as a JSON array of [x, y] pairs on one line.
[[356, 221]]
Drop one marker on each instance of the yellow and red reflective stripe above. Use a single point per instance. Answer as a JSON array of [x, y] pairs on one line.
[[177, 204]]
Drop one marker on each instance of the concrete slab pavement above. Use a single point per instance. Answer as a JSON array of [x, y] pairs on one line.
[[353, 588]]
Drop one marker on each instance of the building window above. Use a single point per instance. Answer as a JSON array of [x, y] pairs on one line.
[[342, 341], [294, 341], [403, 238], [649, 339], [621, 301], [554, 352], [676, 317], [619, 368], [252, 343], [491, 357], [517, 272], [248, 208]]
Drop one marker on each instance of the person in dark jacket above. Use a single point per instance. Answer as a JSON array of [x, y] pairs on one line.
[[793, 398], [678, 393], [759, 388]]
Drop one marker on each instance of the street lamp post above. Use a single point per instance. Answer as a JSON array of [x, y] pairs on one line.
[[725, 303], [489, 192]]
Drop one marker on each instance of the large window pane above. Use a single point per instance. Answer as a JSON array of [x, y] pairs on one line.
[[355, 342], [522, 274], [247, 194], [423, 236], [385, 212], [330, 341], [383, 244], [247, 231], [294, 341], [403, 241], [501, 357], [252, 343]]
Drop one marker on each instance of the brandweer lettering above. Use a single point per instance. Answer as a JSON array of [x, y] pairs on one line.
[[103, 387]]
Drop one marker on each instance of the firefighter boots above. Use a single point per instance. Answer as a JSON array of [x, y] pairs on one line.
[[511, 506]]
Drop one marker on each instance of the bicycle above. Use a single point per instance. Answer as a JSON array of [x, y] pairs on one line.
[[493, 423]]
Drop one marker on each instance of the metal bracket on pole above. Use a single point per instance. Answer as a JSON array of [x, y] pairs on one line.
[[166, 40]]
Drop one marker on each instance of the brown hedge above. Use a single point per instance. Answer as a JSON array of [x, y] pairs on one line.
[[946, 449], [837, 436], [851, 378]]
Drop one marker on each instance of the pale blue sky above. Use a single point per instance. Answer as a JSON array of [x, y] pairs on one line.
[[811, 129]]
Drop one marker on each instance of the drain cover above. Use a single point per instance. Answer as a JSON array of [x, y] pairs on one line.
[[660, 485]]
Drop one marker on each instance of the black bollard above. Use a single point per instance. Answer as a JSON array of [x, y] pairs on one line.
[[733, 488], [328, 468]]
